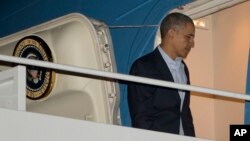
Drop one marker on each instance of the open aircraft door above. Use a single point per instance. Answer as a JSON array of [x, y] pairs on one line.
[[71, 40]]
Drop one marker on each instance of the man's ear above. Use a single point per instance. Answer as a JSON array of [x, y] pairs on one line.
[[171, 33]]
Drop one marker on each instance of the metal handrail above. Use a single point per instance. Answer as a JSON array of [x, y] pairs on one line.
[[119, 76]]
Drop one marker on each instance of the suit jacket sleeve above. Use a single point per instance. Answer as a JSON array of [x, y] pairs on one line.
[[139, 99]]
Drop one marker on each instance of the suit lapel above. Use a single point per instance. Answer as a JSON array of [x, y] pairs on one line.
[[162, 67]]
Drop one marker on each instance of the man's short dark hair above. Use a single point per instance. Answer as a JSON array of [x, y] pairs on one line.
[[174, 21]]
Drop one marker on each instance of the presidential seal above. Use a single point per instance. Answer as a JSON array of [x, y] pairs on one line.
[[39, 80]]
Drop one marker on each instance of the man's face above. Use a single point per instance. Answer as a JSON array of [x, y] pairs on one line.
[[183, 40]]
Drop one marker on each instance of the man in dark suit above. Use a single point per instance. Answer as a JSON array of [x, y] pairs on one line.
[[158, 108]]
